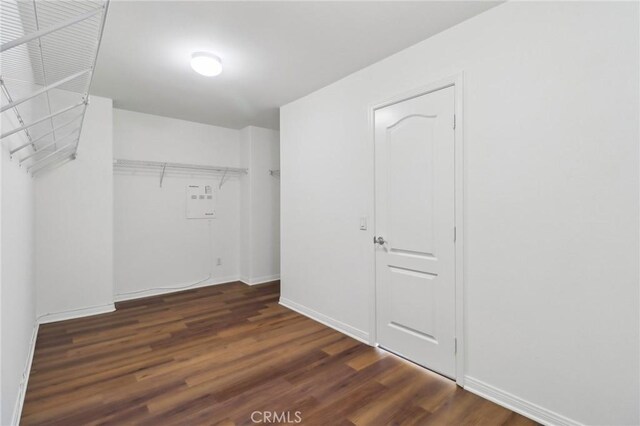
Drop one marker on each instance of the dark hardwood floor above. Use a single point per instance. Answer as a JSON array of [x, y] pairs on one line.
[[216, 355]]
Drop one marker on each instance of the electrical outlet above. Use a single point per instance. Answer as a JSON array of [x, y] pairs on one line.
[[219, 261]]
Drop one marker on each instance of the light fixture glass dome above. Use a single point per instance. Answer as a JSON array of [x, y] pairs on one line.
[[206, 64]]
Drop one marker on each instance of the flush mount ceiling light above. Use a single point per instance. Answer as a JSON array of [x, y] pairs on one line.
[[206, 64]]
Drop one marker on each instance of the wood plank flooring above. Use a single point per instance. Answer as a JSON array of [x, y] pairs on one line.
[[215, 355]]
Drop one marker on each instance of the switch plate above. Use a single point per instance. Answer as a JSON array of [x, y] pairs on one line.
[[363, 223]]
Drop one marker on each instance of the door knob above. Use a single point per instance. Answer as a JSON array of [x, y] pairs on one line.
[[379, 240]]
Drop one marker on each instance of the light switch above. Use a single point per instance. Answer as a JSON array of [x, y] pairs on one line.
[[363, 223]]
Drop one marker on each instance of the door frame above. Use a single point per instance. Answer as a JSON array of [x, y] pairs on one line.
[[455, 80]]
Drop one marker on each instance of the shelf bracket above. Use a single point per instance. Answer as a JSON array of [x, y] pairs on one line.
[[223, 176], [164, 167]]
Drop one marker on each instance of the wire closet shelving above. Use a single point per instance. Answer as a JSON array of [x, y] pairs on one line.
[[164, 167], [47, 59]]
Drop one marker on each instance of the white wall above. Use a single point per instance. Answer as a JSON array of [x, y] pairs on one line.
[[17, 293], [1, 322], [551, 199], [156, 247], [245, 206], [260, 203], [74, 224]]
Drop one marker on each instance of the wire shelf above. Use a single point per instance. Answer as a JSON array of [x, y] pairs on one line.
[[48, 54], [164, 167]]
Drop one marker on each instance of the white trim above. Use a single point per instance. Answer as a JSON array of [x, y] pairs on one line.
[[343, 328], [517, 404], [160, 291], [260, 280], [455, 80], [459, 223], [22, 391], [76, 313]]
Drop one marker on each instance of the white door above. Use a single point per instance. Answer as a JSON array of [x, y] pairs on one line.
[[415, 248]]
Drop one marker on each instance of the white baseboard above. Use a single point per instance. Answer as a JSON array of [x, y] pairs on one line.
[[517, 404], [22, 391], [260, 280], [159, 291], [76, 313], [328, 321]]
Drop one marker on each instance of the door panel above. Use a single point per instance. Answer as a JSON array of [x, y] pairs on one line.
[[414, 142], [412, 302], [409, 154]]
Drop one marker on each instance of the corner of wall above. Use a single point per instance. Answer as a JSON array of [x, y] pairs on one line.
[[17, 292], [74, 245], [260, 236], [245, 205]]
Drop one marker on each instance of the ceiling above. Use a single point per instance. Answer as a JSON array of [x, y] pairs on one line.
[[273, 52]]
